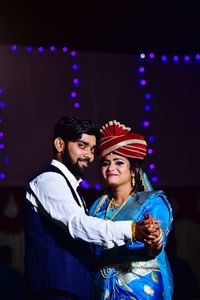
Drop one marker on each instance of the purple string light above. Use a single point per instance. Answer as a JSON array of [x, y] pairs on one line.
[[29, 49], [6, 160], [97, 187], [64, 49], [186, 58], [152, 166], [141, 69], [2, 104], [85, 184], [164, 58], [2, 175], [52, 48], [151, 55], [151, 138], [147, 104], [146, 123], [76, 81], [143, 82], [73, 53], [75, 67], [147, 96], [147, 107], [176, 58], [40, 49], [76, 105], [154, 179], [197, 56], [2, 134], [73, 94], [14, 48], [150, 151]]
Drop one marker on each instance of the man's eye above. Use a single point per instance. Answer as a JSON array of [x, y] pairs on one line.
[[82, 146], [92, 150]]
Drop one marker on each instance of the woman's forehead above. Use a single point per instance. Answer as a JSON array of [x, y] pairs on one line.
[[114, 156]]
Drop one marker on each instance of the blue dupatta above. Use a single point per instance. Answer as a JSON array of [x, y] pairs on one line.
[[133, 254]]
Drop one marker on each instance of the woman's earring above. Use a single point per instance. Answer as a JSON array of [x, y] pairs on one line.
[[133, 181]]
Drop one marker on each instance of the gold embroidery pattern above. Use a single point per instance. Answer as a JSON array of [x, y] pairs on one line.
[[154, 277], [148, 290], [106, 295], [131, 271]]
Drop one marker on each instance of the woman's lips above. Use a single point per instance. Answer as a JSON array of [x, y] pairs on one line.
[[111, 174]]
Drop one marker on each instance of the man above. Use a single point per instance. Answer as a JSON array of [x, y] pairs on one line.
[[57, 228]]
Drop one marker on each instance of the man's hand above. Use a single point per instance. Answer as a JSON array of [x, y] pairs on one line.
[[149, 232]]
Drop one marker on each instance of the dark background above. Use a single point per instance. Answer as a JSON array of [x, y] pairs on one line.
[[105, 26], [119, 28]]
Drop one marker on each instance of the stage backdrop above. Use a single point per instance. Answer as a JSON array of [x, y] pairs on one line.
[[38, 87], [156, 96]]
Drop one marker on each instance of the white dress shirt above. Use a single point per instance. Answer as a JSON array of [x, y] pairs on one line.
[[50, 190]]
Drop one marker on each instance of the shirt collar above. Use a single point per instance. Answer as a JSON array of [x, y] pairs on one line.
[[75, 183]]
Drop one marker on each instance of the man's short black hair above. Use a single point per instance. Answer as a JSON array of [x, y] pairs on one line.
[[70, 128]]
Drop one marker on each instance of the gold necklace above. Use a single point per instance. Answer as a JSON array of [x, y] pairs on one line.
[[114, 205], [109, 205]]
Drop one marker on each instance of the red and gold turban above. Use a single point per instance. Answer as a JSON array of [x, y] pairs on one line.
[[118, 138]]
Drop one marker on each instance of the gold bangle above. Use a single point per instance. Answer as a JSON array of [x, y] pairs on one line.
[[133, 227]]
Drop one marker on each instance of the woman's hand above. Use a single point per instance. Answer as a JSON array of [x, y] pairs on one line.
[[149, 232], [154, 247]]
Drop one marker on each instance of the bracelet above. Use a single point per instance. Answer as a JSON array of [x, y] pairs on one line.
[[133, 227]]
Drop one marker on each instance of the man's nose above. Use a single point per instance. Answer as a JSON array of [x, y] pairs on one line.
[[89, 154]]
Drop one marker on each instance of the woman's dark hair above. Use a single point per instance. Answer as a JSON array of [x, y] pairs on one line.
[[135, 165], [70, 128]]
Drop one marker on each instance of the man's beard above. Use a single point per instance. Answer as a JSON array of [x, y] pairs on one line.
[[74, 167]]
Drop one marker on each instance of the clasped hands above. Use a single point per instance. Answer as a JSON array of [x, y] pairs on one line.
[[149, 232]]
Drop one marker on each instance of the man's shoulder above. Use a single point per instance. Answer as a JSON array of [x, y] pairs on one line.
[[46, 174]]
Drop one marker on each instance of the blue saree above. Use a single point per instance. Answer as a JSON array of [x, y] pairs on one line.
[[127, 272]]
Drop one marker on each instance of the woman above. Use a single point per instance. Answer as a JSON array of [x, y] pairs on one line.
[[133, 271]]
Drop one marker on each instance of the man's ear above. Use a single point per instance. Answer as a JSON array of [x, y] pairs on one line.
[[59, 144]]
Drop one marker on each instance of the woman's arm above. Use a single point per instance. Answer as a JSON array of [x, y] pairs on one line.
[[143, 248]]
